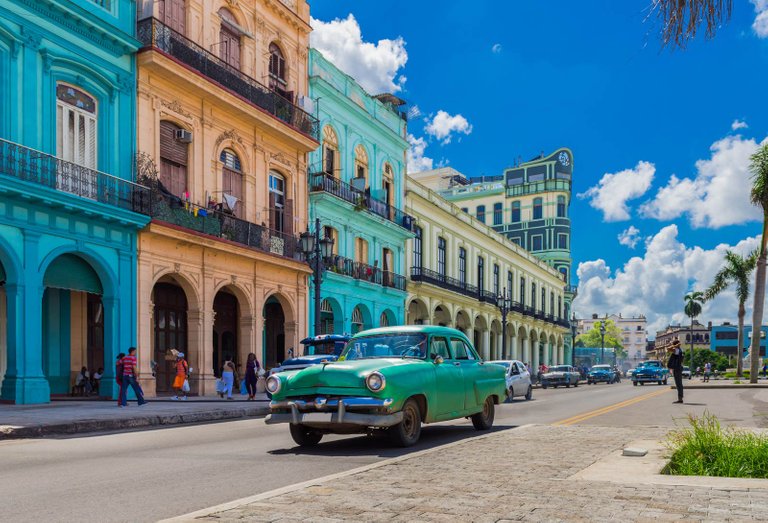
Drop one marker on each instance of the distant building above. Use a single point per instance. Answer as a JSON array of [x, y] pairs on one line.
[[683, 333], [633, 330], [724, 339]]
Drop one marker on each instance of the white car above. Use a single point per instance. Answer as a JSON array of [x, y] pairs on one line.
[[518, 379]]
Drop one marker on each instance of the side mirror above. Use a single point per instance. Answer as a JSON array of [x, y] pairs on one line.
[[438, 360]]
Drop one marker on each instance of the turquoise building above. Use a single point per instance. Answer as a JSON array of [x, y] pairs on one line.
[[67, 207], [356, 185]]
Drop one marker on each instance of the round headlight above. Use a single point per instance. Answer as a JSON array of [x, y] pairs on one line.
[[375, 381], [273, 384]]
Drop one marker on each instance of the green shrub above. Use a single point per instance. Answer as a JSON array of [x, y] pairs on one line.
[[707, 449]]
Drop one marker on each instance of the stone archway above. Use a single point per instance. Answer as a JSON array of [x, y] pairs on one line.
[[441, 316], [496, 343], [170, 332], [481, 337], [464, 323], [361, 318], [418, 314]]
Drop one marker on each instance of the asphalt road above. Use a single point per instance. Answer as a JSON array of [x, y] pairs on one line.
[[150, 475]]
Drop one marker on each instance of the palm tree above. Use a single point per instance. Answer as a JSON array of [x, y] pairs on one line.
[[681, 19], [693, 301], [736, 270], [758, 166]]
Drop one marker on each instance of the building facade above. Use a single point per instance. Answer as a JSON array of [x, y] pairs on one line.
[[67, 221], [724, 339], [634, 336], [223, 139], [460, 268], [357, 187], [682, 333]]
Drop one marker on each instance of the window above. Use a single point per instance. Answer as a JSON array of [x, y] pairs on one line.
[[76, 127], [441, 256], [383, 320], [536, 242], [543, 299], [537, 209], [388, 185], [561, 206], [533, 295], [522, 290], [332, 234], [357, 320], [552, 303], [361, 250], [438, 346], [173, 160], [417, 247], [277, 201], [277, 74], [562, 241], [564, 272], [175, 15], [481, 213], [496, 279], [497, 214], [480, 273], [560, 307], [229, 39], [516, 212], [232, 180], [463, 265], [510, 284], [361, 167], [460, 350], [330, 150]]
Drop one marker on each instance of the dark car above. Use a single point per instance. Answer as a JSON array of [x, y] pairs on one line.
[[317, 349], [601, 373], [564, 375]]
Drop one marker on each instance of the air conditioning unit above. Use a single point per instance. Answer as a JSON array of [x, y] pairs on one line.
[[184, 136]]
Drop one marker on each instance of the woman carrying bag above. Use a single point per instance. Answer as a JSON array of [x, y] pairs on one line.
[[228, 376], [181, 381]]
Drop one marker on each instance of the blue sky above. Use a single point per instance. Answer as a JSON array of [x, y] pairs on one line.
[[590, 76]]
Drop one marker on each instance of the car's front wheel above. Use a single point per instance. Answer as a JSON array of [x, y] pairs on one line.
[[305, 437], [483, 420], [529, 393], [634, 383], [407, 432], [665, 381]]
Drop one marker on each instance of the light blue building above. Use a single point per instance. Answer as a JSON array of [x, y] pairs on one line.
[[357, 184], [67, 221], [724, 339]]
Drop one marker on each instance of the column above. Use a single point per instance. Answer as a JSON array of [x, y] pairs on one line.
[[526, 350], [500, 346], [486, 335], [535, 356], [247, 342]]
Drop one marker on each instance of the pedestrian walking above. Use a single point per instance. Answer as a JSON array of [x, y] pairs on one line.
[[130, 363], [707, 370], [251, 368], [675, 364], [180, 382], [119, 376], [228, 377]]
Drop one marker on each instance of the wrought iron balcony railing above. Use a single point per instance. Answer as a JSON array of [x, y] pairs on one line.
[[537, 187], [487, 297], [365, 272], [153, 34], [421, 274], [30, 165], [324, 182]]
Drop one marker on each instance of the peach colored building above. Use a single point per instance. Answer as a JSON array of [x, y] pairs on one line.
[[223, 138]]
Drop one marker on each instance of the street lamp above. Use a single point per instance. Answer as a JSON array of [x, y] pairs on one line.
[[602, 341], [316, 249], [503, 303], [574, 329]]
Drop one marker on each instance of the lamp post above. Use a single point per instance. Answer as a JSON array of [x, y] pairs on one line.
[[602, 342], [574, 329], [502, 302], [316, 249]]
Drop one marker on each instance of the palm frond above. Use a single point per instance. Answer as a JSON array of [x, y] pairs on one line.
[[681, 19], [758, 167], [722, 279]]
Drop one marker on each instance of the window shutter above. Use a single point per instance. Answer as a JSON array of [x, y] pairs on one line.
[[170, 148], [175, 15], [288, 217]]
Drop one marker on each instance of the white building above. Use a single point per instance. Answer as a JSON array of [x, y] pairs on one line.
[[633, 329]]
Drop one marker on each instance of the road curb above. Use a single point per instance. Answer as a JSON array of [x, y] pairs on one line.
[[324, 479], [150, 420], [732, 386]]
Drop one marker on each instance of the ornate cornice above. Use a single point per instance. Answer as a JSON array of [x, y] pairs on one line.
[[228, 135], [176, 107]]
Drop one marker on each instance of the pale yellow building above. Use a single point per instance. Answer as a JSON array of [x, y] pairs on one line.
[[223, 137], [634, 336], [458, 270]]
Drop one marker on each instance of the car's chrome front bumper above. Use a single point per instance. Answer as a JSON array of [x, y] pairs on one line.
[[324, 412], [648, 378]]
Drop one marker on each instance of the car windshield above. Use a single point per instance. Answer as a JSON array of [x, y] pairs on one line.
[[386, 346], [601, 367], [651, 364], [559, 368]]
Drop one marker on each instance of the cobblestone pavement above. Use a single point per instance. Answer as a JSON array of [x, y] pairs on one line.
[[513, 475]]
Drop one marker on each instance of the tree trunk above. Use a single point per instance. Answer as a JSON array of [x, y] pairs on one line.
[[740, 342], [757, 309], [692, 369]]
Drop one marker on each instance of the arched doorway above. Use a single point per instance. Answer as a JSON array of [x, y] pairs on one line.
[[225, 330], [463, 323], [274, 332], [387, 319], [331, 318], [481, 339], [358, 324], [170, 318], [441, 316], [417, 313]]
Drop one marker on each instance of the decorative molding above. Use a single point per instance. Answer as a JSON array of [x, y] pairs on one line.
[[125, 83], [31, 38], [281, 159], [228, 135], [232, 3], [177, 267], [176, 107]]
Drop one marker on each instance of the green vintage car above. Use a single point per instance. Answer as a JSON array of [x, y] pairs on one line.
[[392, 379]]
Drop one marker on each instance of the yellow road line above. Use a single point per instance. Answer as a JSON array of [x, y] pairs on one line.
[[599, 412]]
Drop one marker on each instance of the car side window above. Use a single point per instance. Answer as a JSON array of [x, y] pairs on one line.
[[513, 369], [471, 354], [521, 367], [439, 347], [458, 349]]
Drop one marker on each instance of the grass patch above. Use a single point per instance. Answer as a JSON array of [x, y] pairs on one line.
[[705, 448]]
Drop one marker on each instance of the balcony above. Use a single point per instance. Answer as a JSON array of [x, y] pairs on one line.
[[364, 272], [154, 35], [30, 165], [571, 289], [538, 187], [487, 297], [420, 274], [324, 182]]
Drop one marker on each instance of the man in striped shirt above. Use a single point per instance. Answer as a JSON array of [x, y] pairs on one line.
[[129, 364]]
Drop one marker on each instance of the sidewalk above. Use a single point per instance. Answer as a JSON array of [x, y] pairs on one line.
[[524, 474], [69, 416]]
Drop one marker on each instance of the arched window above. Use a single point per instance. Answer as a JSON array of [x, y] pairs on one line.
[[229, 38], [326, 317], [175, 15], [232, 180], [388, 184], [278, 77], [361, 166], [515, 212], [383, 320], [76, 126], [173, 159], [561, 206], [538, 211], [330, 151], [357, 320]]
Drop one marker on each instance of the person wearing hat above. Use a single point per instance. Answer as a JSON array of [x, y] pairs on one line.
[[675, 364], [182, 375]]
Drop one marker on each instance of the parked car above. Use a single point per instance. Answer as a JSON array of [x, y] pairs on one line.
[[391, 378], [687, 372], [560, 375], [629, 373], [600, 373], [317, 349], [649, 372], [518, 379]]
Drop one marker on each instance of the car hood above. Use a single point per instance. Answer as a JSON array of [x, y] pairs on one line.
[[600, 371], [309, 359], [341, 374], [557, 374]]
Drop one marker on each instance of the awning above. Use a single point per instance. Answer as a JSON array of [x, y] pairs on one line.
[[71, 272]]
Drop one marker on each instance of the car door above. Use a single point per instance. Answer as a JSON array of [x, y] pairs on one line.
[[472, 370], [516, 378], [449, 380], [523, 379]]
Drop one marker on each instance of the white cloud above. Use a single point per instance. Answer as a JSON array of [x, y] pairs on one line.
[[496, 49], [374, 66], [417, 162], [760, 25], [614, 190], [738, 124], [630, 237], [443, 125], [717, 196], [655, 283]]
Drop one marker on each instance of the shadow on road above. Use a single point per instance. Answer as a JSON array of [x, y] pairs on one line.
[[379, 445]]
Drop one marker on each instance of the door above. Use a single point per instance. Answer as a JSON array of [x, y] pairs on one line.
[[516, 377], [523, 380], [449, 381], [469, 362]]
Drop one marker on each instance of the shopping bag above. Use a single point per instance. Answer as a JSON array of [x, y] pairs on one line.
[[220, 386], [185, 387], [243, 388], [261, 385]]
